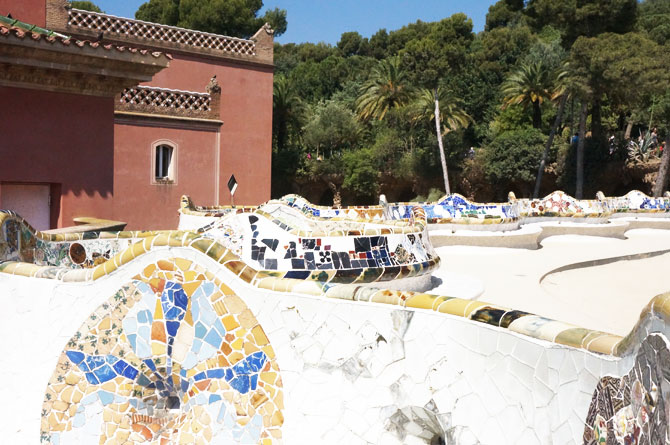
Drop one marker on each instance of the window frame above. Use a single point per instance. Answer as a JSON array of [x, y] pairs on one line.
[[171, 178]]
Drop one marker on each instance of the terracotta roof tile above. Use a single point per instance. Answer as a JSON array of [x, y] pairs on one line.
[[15, 28]]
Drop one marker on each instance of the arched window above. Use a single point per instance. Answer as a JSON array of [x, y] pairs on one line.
[[164, 163]]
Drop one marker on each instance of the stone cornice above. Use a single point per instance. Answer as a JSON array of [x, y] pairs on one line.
[[258, 50], [144, 100], [66, 65]]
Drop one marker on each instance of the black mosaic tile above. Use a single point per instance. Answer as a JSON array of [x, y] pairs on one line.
[[346, 275], [510, 316], [488, 315], [300, 275], [309, 260], [390, 273], [362, 244], [297, 263], [271, 243]]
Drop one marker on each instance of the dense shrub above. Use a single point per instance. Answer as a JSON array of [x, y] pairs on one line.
[[512, 158]]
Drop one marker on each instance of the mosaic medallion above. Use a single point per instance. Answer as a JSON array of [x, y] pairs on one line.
[[174, 357]]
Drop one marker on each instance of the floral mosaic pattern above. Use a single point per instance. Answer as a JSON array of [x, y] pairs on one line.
[[173, 357], [634, 409]]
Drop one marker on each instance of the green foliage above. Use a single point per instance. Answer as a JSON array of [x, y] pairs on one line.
[[661, 108], [584, 18], [595, 158], [434, 195], [609, 62], [228, 17], [277, 19], [367, 106], [159, 11], [316, 81], [387, 88], [530, 85], [654, 20], [361, 173], [513, 157], [547, 49], [642, 151], [387, 147], [86, 6], [504, 13], [331, 129], [378, 44], [288, 112], [501, 48], [441, 50], [353, 44], [510, 118], [453, 117]]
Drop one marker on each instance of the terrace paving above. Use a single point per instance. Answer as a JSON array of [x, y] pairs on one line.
[[606, 297]]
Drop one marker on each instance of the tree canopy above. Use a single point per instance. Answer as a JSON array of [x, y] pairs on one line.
[[86, 6], [361, 117], [238, 18]]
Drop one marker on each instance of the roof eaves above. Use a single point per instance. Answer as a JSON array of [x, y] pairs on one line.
[[34, 29], [18, 29]]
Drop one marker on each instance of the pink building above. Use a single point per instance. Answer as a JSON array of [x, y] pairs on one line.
[[178, 124]]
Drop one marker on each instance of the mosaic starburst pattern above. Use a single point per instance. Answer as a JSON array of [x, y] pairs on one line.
[[174, 357]]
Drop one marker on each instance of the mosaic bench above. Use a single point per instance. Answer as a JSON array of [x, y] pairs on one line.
[[559, 206], [176, 340], [560, 214], [450, 212], [636, 203], [330, 251], [278, 238], [640, 211]]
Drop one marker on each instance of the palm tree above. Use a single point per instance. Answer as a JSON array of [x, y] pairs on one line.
[[442, 107], [287, 110], [530, 85], [386, 88], [563, 88]]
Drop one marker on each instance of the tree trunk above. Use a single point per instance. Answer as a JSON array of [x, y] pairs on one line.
[[572, 118], [281, 133], [537, 115], [438, 130], [629, 128], [596, 123], [554, 129], [579, 189], [662, 177]]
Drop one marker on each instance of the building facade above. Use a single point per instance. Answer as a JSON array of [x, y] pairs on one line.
[[202, 116]]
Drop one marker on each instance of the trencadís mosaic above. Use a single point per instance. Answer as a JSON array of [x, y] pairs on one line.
[[172, 357]]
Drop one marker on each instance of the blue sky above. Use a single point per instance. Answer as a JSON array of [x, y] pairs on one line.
[[326, 20]]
